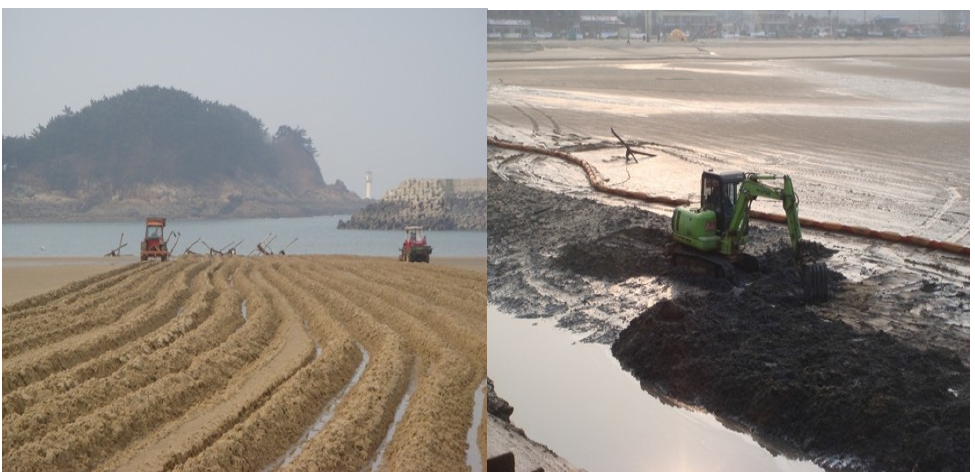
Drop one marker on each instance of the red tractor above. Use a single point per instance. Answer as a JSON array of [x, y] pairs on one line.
[[415, 248], [155, 245]]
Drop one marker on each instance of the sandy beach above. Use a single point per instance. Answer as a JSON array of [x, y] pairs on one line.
[[25, 277]]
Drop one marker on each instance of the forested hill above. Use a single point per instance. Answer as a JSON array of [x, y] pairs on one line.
[[164, 151]]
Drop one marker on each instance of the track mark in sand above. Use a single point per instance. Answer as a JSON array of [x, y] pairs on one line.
[[327, 413], [535, 130], [953, 197], [962, 234], [684, 153], [499, 120], [555, 124], [474, 456], [400, 411]]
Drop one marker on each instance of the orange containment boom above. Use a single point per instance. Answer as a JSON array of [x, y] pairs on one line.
[[804, 222]]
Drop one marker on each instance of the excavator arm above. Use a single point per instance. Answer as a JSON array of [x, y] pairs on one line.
[[753, 187], [814, 276]]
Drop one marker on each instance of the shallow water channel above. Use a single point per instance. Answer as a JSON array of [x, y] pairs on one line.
[[575, 398]]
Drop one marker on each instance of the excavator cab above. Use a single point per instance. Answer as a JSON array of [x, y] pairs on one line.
[[719, 193]]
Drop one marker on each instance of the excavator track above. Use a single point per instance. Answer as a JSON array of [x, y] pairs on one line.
[[815, 276], [702, 263]]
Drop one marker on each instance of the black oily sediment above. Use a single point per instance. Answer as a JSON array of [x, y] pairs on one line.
[[790, 374]]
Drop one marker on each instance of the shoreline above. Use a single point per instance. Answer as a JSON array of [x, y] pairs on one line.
[[28, 276]]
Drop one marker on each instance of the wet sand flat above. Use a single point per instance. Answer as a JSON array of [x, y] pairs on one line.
[[28, 276], [876, 132]]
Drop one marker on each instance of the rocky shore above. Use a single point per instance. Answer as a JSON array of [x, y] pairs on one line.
[[180, 201], [437, 204], [510, 449]]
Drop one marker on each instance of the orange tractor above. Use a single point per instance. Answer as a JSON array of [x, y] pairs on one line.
[[154, 245], [415, 247]]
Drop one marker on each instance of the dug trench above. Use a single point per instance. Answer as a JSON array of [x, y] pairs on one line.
[[815, 378]]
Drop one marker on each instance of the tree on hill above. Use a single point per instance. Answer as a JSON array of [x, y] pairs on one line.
[[146, 135], [296, 153]]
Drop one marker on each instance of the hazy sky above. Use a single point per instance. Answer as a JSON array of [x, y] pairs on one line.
[[397, 92]]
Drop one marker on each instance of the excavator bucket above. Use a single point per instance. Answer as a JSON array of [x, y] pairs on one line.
[[815, 282]]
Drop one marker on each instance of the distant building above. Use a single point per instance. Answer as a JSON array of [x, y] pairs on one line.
[[886, 20], [696, 23], [532, 24], [600, 26], [772, 22], [508, 29], [562, 24]]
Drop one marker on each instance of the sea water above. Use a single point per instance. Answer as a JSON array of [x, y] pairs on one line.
[[576, 399], [315, 235]]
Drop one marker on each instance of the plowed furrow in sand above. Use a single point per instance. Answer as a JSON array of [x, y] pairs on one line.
[[128, 284], [147, 359], [91, 439], [360, 422], [60, 321], [35, 365], [426, 283], [65, 295], [362, 419], [455, 320], [433, 433], [168, 350], [437, 341], [283, 418], [452, 376], [310, 378], [428, 326], [289, 350]]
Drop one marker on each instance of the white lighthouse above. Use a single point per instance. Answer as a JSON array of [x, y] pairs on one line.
[[368, 185]]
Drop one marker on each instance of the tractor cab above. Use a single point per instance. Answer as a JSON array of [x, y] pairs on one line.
[[719, 193], [154, 233], [154, 244], [414, 234], [415, 247]]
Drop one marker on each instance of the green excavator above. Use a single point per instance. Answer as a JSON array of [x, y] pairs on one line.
[[713, 236]]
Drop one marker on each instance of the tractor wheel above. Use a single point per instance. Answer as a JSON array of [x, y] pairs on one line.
[[143, 258], [163, 258]]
